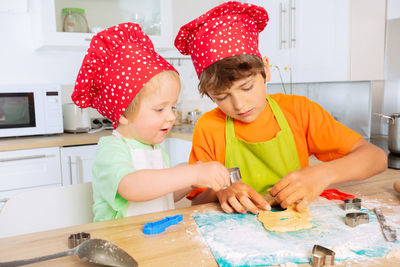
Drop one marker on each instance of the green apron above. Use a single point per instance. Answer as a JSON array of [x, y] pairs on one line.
[[262, 164]]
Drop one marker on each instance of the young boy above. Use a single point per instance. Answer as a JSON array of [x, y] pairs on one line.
[[269, 137], [129, 83]]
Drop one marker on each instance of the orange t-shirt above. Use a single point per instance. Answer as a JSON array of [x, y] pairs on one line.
[[314, 130]]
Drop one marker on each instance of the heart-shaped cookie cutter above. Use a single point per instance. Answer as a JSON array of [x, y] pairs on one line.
[[355, 218]]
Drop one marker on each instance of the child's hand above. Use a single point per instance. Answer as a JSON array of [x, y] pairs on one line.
[[301, 187], [241, 198], [211, 174]]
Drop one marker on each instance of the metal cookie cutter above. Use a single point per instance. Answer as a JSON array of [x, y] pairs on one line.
[[355, 218], [234, 174], [354, 203], [322, 256], [76, 239]]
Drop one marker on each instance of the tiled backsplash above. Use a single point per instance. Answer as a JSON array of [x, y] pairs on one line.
[[189, 97], [349, 102]]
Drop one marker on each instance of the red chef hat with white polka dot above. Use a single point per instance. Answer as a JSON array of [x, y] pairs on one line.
[[119, 61], [227, 30]]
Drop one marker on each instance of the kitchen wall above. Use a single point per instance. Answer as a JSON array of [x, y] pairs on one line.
[[387, 99], [20, 63]]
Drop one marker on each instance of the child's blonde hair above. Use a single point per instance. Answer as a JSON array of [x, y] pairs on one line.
[[152, 86]]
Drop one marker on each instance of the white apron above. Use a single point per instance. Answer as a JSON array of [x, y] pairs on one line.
[[147, 159]]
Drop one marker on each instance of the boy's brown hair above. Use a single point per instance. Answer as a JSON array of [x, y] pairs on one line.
[[220, 75]]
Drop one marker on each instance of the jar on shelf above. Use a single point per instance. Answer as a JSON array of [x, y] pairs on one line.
[[178, 117], [193, 116], [178, 113], [74, 20]]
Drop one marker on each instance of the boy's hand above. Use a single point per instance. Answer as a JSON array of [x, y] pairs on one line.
[[301, 187], [211, 174], [241, 198]]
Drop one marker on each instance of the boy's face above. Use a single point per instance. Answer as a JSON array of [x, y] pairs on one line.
[[244, 100], [155, 116]]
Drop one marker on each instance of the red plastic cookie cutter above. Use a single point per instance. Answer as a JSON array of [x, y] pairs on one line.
[[335, 194]]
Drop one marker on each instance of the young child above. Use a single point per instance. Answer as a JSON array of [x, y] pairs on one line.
[[269, 137], [128, 82]]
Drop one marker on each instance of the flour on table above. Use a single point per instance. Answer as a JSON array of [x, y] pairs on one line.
[[288, 220]]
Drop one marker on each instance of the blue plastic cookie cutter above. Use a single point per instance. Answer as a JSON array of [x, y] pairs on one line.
[[152, 228]]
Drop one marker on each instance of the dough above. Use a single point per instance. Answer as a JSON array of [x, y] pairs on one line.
[[288, 220]]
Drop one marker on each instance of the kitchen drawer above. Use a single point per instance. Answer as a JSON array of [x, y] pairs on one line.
[[22, 169], [6, 195]]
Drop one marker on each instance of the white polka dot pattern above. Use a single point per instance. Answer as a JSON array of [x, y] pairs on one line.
[[119, 61], [227, 30]]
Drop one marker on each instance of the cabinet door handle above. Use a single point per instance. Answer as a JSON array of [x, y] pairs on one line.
[[26, 158], [70, 169], [282, 41], [292, 18], [79, 170]]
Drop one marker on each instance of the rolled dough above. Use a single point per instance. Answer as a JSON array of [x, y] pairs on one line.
[[289, 220]]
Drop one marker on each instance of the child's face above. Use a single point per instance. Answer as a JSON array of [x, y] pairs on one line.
[[244, 100], [155, 116]]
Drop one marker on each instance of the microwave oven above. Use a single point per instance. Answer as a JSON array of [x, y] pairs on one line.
[[30, 110]]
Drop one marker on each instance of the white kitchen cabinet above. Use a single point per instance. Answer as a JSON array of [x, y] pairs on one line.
[[273, 39], [76, 164], [31, 168], [178, 150], [154, 16], [324, 40]]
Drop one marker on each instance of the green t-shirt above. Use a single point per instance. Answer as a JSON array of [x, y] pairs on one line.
[[112, 162]]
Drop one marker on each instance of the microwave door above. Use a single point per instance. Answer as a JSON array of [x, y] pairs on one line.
[[19, 114], [17, 110]]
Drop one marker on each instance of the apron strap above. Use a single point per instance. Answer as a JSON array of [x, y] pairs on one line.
[[229, 129], [280, 117], [117, 134]]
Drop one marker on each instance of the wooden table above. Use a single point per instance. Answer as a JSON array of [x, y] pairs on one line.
[[179, 245]]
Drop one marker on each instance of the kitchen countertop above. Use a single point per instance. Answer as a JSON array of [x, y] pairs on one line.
[[183, 131], [179, 245]]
